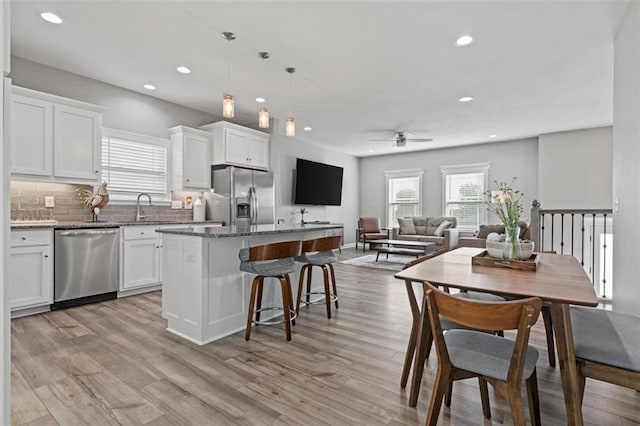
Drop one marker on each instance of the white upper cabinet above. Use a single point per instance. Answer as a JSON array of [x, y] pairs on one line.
[[55, 138], [239, 146], [77, 143], [191, 151], [32, 141]]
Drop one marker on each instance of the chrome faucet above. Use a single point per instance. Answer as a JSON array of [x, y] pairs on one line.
[[139, 211]]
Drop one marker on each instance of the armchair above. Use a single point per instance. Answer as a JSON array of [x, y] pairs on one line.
[[369, 230]]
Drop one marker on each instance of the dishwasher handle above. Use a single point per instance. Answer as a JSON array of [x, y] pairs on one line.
[[82, 233]]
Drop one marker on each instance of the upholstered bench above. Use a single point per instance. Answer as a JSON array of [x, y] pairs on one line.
[[607, 346]]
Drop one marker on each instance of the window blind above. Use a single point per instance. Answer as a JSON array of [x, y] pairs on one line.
[[133, 166], [464, 198]]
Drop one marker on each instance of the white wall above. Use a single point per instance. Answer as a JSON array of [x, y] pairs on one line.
[[284, 151], [575, 169], [507, 159], [5, 332], [626, 157], [126, 110]]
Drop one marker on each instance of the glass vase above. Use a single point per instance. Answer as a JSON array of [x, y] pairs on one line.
[[512, 237]]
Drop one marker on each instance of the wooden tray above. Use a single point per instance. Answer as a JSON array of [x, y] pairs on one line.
[[484, 259]]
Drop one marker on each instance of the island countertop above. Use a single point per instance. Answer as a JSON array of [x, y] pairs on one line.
[[241, 231]]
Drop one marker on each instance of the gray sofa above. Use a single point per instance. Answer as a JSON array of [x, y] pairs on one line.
[[430, 229], [479, 240]]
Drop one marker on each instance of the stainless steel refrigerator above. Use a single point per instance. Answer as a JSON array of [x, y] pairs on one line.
[[241, 196]]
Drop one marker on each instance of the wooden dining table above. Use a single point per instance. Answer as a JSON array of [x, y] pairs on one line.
[[558, 279]]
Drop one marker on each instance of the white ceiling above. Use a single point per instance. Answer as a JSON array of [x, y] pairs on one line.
[[365, 69]]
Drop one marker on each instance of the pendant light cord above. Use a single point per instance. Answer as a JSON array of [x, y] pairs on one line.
[[290, 94], [229, 65]]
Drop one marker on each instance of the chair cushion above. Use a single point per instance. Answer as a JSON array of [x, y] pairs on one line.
[[320, 258], [605, 337], [406, 226], [270, 268], [485, 354], [484, 297], [439, 232], [375, 236]]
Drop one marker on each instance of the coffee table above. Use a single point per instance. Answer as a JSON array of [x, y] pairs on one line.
[[411, 248]]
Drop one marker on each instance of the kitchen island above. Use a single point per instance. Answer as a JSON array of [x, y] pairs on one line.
[[205, 296]]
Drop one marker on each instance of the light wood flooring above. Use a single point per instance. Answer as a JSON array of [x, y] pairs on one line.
[[113, 363]]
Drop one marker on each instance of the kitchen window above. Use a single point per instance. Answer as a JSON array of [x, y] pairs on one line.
[[463, 190], [404, 195], [133, 163]]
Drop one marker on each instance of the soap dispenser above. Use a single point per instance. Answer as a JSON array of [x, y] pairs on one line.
[[199, 210]]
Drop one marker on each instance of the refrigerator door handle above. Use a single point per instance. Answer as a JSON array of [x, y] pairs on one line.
[[256, 205], [253, 205]]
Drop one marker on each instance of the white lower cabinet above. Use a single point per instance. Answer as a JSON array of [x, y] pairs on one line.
[[31, 269], [141, 257], [141, 262]]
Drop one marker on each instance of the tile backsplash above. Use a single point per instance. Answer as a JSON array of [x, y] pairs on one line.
[[28, 203]]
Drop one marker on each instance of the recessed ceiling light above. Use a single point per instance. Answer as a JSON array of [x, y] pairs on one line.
[[51, 17], [184, 70], [307, 129], [261, 100], [465, 99], [493, 136], [149, 87], [371, 150], [464, 40]]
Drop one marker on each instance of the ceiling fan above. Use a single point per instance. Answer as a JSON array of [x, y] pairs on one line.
[[400, 139]]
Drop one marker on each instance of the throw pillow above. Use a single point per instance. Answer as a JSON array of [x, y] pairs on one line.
[[406, 226], [488, 229], [439, 232]]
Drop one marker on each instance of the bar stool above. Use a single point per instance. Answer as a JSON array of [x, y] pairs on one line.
[[270, 261], [324, 258]]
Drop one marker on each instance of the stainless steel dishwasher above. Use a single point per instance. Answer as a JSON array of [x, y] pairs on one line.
[[86, 266]]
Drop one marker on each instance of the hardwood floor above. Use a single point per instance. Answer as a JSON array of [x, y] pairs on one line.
[[113, 363]]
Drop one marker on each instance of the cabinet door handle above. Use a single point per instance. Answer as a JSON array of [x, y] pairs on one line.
[[46, 255], [24, 238], [188, 180], [97, 171], [141, 233]]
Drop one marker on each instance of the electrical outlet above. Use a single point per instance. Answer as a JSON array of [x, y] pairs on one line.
[[49, 201], [176, 204]]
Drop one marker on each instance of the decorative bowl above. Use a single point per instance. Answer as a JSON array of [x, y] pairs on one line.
[[496, 249]]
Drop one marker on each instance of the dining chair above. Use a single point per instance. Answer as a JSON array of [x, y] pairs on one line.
[[369, 230], [446, 324], [501, 362], [607, 347]]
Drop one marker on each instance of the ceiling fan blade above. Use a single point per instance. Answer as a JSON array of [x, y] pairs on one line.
[[383, 140], [419, 140]]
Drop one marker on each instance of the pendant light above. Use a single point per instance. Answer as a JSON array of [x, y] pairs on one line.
[[227, 99], [263, 114], [290, 124]]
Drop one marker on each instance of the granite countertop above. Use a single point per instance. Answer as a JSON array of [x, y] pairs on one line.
[[44, 224], [241, 231]]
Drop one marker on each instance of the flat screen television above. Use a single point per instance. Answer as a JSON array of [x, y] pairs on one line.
[[317, 184]]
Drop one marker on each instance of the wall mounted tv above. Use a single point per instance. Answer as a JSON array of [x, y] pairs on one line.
[[317, 184]]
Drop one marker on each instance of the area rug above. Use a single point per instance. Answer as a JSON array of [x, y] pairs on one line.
[[394, 263]]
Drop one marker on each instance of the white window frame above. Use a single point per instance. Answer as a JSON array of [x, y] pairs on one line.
[[394, 174], [122, 198], [462, 169]]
